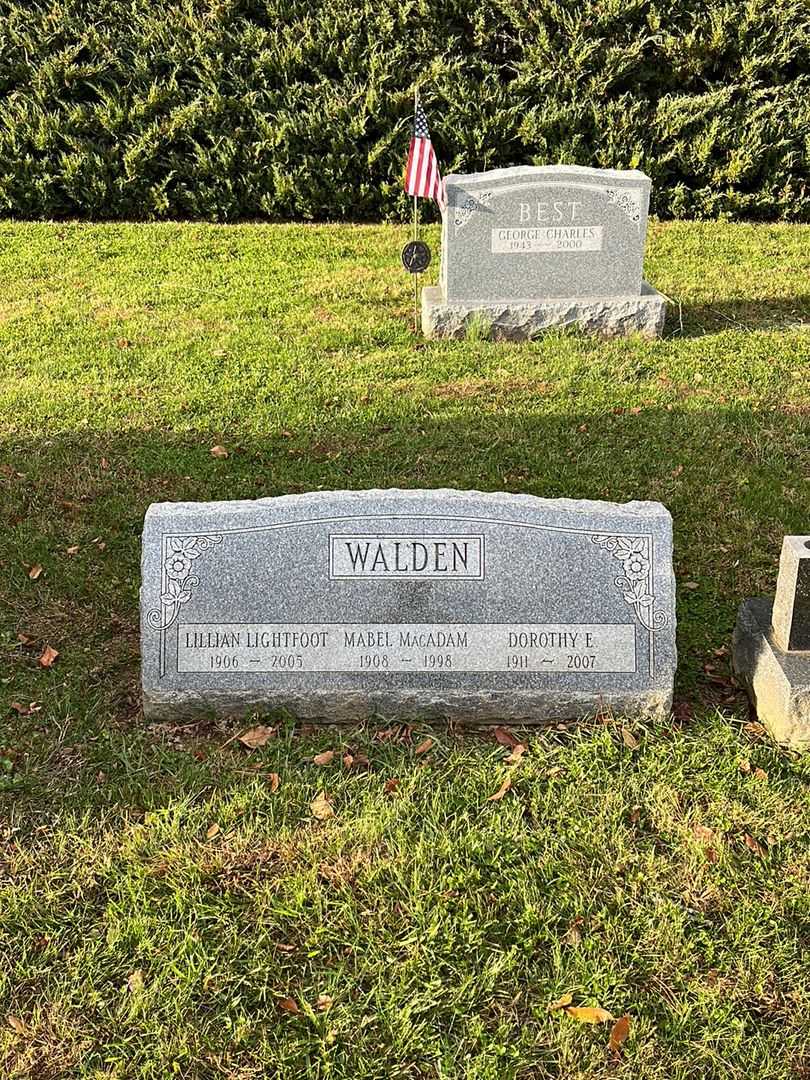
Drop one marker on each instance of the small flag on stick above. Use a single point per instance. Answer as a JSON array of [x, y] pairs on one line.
[[422, 177]]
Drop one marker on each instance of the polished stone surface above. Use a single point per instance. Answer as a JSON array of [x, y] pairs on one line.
[[544, 232], [408, 604]]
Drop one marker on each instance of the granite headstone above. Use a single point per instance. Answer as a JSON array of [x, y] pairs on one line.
[[771, 648], [408, 604], [534, 246]]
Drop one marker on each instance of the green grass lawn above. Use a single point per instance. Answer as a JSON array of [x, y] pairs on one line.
[[170, 908]]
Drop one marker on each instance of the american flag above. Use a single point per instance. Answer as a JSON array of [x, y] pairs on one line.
[[422, 175]]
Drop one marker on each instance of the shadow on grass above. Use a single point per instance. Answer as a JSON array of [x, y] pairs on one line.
[[738, 314], [75, 504]]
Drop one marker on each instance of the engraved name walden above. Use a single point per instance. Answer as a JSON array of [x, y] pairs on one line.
[[404, 557]]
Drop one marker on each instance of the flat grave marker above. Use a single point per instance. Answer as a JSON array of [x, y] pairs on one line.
[[408, 604]]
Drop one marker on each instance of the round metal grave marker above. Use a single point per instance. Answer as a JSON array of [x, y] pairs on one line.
[[416, 257]]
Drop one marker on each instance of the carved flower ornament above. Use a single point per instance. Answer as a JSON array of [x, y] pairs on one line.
[[178, 564], [178, 579], [634, 583], [632, 554]]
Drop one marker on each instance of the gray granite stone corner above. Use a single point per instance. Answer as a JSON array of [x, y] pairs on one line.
[[778, 682], [771, 649], [791, 609]]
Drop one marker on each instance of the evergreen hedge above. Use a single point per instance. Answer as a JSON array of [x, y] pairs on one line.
[[301, 109]]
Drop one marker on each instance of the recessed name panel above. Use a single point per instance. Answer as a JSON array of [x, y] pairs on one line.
[[410, 647], [554, 238], [404, 557]]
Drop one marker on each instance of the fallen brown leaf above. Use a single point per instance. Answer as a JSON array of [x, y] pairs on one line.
[[745, 767], [506, 738], [72, 550], [424, 746], [755, 845], [502, 790], [682, 712], [618, 1034], [321, 806], [49, 657], [391, 785], [354, 760], [135, 981], [588, 1014], [573, 935], [386, 735], [275, 780], [703, 833], [629, 739], [16, 1024], [325, 758], [516, 755], [760, 774], [561, 1003], [218, 452], [34, 571], [212, 831], [256, 737], [288, 1005], [324, 1001], [25, 639]]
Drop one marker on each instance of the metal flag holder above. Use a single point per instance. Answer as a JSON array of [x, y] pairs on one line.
[[416, 253]]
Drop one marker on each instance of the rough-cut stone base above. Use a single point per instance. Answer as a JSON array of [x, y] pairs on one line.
[[778, 682], [350, 706], [520, 320]]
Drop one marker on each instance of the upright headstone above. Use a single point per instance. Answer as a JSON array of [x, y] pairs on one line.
[[791, 608], [531, 247], [771, 648], [408, 604]]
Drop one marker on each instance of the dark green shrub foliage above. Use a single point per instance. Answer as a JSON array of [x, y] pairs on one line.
[[301, 108]]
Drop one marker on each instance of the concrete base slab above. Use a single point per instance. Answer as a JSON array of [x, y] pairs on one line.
[[521, 320], [778, 682]]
